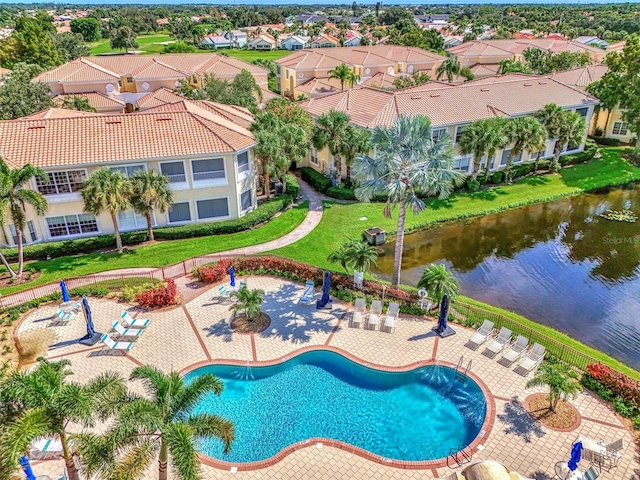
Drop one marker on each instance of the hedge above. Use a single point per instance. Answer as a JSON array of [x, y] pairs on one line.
[[614, 387], [590, 149], [90, 244], [341, 193], [317, 180], [293, 187], [607, 141]]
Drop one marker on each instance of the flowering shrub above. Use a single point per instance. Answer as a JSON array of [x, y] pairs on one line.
[[619, 384], [162, 296]]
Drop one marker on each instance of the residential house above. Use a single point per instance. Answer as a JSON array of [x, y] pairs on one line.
[[205, 150], [352, 39], [452, 41], [215, 42], [101, 102], [307, 18], [451, 107], [432, 18], [325, 41], [304, 65], [264, 41], [593, 41], [610, 122], [616, 47], [295, 42]]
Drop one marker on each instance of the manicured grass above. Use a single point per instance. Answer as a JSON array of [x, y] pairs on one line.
[[341, 222], [146, 44], [251, 55], [161, 253]]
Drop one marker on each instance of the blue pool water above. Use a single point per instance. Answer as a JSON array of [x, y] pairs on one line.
[[416, 415]]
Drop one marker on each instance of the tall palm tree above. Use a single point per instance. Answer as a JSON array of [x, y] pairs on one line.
[[356, 142], [439, 281], [566, 127], [561, 379], [159, 425], [106, 189], [356, 254], [608, 97], [523, 133], [343, 73], [407, 163], [482, 138], [249, 301], [150, 191], [331, 130], [14, 197], [48, 402], [450, 69]]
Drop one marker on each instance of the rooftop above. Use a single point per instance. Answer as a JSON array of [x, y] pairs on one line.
[[581, 76], [517, 46]]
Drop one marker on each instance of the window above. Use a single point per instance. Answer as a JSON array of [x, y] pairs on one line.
[[505, 156], [243, 162], [582, 111], [216, 207], [32, 231], [483, 161], [62, 182], [131, 220], [64, 226], [436, 133], [462, 164], [128, 170], [129, 79], [173, 170], [314, 156], [539, 154], [246, 200], [620, 128], [179, 212], [459, 131], [278, 70], [14, 234], [208, 169]]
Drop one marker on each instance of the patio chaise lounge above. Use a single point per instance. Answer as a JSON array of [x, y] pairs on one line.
[[482, 335], [129, 321], [45, 447], [590, 474], [119, 346], [515, 350], [499, 342], [309, 292], [358, 312], [391, 317], [222, 290], [532, 358], [127, 332], [65, 316], [374, 314]]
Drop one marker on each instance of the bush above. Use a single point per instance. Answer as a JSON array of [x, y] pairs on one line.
[[472, 185], [590, 149], [341, 193], [615, 387], [129, 293], [293, 188], [179, 47], [317, 180], [607, 141], [522, 170], [162, 296], [89, 291], [497, 177]]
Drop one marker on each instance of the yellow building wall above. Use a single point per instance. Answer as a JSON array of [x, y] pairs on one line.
[[100, 87], [606, 121]]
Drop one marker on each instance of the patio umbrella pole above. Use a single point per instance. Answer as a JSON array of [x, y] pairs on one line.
[[92, 337], [442, 328]]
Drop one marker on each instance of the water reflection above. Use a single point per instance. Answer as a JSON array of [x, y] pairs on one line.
[[559, 263]]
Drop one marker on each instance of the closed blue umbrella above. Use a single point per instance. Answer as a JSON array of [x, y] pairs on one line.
[[326, 288], [232, 274], [87, 313], [576, 455], [26, 466], [65, 292], [444, 311]]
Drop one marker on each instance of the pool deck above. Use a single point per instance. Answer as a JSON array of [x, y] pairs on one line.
[[198, 332]]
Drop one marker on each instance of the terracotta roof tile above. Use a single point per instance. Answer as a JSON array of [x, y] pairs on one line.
[[161, 96], [96, 100], [581, 76], [58, 113], [502, 48]]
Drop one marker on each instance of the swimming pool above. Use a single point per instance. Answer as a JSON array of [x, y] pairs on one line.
[[416, 415]]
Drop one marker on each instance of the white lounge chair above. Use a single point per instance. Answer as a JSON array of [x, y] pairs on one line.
[[515, 350], [499, 342], [112, 345], [127, 332], [45, 447], [64, 316], [309, 292], [532, 358], [482, 335], [129, 321], [374, 314], [357, 317], [222, 290], [391, 317], [590, 474]]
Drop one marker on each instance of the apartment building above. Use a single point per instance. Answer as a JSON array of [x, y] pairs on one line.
[[451, 108], [204, 148]]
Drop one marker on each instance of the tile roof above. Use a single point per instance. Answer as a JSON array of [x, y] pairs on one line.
[[508, 95], [581, 76], [381, 80], [618, 46], [161, 96], [58, 113], [319, 86], [112, 67], [312, 58], [96, 100], [231, 113], [96, 139], [517, 46]]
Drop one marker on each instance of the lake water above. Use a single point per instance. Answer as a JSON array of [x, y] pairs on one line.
[[558, 263]]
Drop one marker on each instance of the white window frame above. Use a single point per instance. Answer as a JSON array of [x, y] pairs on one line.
[[313, 156], [176, 185], [115, 168], [74, 235], [180, 222], [586, 114], [67, 196], [210, 182], [469, 159], [620, 124], [250, 191], [458, 132], [436, 133], [247, 171], [137, 227], [209, 219]]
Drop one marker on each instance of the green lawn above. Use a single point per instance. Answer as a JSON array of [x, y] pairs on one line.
[[147, 44], [251, 55], [161, 253], [341, 222]]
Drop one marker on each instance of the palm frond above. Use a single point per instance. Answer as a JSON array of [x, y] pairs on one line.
[[31, 424], [108, 391], [180, 440], [198, 388], [207, 425], [75, 403]]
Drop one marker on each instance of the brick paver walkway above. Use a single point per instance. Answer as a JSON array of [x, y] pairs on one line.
[[199, 330]]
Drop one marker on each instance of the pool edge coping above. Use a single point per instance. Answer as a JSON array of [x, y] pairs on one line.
[[485, 429]]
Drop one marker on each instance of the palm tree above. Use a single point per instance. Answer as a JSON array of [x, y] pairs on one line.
[[566, 127], [439, 281], [48, 402], [608, 97], [332, 130], [561, 380], [340, 256], [161, 425], [482, 138], [248, 300], [106, 189], [356, 254], [150, 191], [14, 196], [513, 66], [524, 133], [74, 102], [356, 142], [344, 74], [407, 163]]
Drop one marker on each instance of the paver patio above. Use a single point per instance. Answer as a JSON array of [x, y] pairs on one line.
[[199, 331]]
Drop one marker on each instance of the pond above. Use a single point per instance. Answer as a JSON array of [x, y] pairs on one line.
[[558, 263]]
